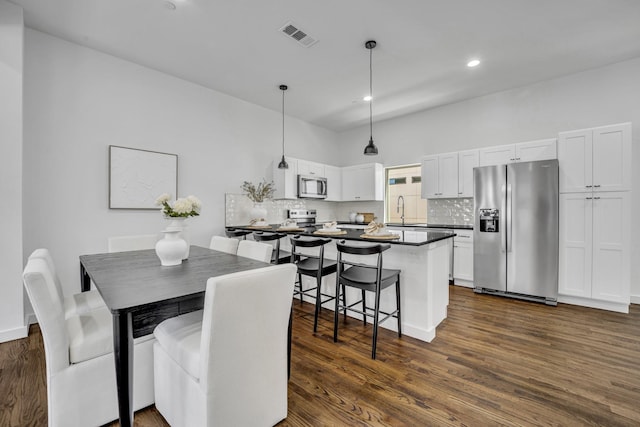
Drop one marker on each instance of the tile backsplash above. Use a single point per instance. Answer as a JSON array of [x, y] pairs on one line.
[[450, 211]]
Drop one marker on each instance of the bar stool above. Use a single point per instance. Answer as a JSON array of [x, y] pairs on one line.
[[234, 232], [366, 278], [278, 256], [312, 266]]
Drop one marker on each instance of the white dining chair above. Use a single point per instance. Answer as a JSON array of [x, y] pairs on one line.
[[224, 244], [78, 303], [227, 364], [255, 250], [132, 243], [81, 380]]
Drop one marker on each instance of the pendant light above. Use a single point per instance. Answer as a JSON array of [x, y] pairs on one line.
[[283, 163], [370, 149]]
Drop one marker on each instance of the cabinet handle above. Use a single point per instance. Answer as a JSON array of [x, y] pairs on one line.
[[589, 198], [596, 198], [596, 186], [459, 192], [588, 186], [512, 160]]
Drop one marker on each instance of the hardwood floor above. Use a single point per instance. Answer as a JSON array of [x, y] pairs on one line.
[[495, 361]]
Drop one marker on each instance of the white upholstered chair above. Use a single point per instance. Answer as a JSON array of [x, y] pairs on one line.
[[81, 380], [77, 303], [224, 244], [132, 243], [226, 365], [255, 250]]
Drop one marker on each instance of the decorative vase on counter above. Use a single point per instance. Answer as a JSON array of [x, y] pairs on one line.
[[258, 212], [359, 218], [352, 216], [171, 248], [180, 224]]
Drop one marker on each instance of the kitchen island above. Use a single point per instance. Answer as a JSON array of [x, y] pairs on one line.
[[423, 257]]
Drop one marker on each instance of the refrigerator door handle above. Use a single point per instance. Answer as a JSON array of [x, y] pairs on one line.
[[509, 218], [503, 231]]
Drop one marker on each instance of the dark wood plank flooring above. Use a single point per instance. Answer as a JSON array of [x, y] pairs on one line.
[[495, 361]]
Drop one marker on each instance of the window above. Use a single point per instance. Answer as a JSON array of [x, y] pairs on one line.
[[405, 181]]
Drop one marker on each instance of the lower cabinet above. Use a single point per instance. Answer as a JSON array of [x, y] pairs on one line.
[[594, 264], [463, 258]]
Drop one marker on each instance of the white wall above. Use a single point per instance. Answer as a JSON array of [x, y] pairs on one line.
[[11, 54], [598, 97], [79, 101]]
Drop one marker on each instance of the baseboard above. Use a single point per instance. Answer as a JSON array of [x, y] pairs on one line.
[[635, 299], [30, 319], [591, 303], [464, 283], [14, 334]]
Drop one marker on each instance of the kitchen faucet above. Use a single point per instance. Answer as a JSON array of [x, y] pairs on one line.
[[398, 208]]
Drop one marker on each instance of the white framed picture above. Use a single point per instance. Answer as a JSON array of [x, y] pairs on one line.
[[137, 177]]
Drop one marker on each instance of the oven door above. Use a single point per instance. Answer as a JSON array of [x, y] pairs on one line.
[[312, 187]]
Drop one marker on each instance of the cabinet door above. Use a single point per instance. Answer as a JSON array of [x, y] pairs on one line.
[[358, 182], [544, 149], [611, 247], [430, 177], [306, 167], [334, 183], [286, 180], [612, 158], [575, 240], [467, 160], [500, 155], [574, 159], [448, 175], [463, 261]]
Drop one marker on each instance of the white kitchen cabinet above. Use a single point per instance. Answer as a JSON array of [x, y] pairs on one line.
[[543, 149], [285, 180], [334, 183], [363, 182], [463, 258], [467, 160], [440, 176], [596, 159], [594, 258], [305, 167]]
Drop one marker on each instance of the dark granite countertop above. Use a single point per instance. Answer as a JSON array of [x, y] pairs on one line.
[[407, 237], [450, 226]]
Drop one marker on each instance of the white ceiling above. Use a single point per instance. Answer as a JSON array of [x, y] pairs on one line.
[[234, 46]]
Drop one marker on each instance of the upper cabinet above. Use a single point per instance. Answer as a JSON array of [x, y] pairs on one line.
[[440, 176], [467, 160], [363, 182], [334, 183], [522, 152], [285, 180], [306, 167], [596, 159]]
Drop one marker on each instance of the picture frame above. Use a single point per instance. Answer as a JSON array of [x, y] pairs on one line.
[[137, 177]]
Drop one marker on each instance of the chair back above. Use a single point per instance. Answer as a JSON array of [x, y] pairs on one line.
[[307, 242], [255, 250], [243, 348], [46, 256], [224, 244], [260, 236], [132, 243], [238, 234], [377, 248], [41, 289]]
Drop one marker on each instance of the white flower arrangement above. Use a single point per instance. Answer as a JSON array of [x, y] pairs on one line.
[[182, 208]]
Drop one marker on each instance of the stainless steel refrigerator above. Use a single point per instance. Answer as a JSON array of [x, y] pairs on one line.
[[515, 233]]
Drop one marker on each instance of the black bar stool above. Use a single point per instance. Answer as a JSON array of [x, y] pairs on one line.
[[312, 266], [233, 232], [366, 278], [277, 256]]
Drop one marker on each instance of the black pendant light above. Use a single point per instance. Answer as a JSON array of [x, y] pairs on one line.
[[370, 149], [283, 163]]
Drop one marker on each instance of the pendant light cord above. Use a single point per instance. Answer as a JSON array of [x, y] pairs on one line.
[[283, 122], [370, 94]]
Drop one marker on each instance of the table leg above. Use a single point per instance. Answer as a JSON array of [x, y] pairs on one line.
[[85, 280], [123, 355]]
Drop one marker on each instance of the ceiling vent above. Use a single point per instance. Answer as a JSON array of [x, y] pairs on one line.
[[291, 30]]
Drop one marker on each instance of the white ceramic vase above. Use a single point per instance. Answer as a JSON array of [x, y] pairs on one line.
[[171, 248], [180, 224], [258, 212]]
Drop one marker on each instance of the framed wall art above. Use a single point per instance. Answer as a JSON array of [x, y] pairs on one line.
[[138, 177]]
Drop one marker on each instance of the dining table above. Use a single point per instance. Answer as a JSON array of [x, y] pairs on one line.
[[141, 293]]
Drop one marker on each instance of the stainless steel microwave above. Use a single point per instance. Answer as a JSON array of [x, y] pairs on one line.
[[312, 187]]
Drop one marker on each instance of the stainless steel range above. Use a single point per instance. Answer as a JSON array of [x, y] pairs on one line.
[[303, 217]]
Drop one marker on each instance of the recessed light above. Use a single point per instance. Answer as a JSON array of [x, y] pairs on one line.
[[367, 98], [473, 63]]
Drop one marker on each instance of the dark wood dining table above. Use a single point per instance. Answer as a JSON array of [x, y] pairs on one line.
[[140, 293]]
